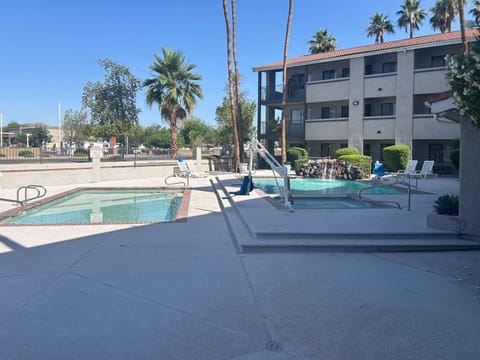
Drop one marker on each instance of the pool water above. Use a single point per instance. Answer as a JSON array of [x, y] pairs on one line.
[[303, 186], [343, 202], [105, 206]]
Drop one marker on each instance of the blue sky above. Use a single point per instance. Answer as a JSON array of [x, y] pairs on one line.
[[49, 49]]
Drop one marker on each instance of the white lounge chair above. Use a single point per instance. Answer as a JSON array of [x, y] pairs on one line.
[[182, 169], [426, 170], [192, 168], [409, 170]]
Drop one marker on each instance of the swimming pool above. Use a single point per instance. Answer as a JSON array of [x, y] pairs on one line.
[[104, 206], [301, 186]]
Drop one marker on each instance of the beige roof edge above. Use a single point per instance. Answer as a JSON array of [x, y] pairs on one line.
[[364, 50]]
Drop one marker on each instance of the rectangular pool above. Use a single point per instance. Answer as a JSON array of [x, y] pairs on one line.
[[104, 206]]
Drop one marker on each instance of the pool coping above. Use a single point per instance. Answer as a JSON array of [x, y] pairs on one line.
[[182, 213]]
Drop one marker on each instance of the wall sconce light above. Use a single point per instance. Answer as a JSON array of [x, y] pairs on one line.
[[355, 102]]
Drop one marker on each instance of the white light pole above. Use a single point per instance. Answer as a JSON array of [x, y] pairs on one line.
[[28, 135], [1, 130], [59, 141]]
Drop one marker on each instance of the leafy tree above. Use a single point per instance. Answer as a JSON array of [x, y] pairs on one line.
[[39, 136], [443, 15], [475, 12], [411, 16], [112, 103], [379, 25], [174, 89], [322, 42], [463, 76], [223, 116], [195, 133], [157, 136], [11, 126], [72, 126]]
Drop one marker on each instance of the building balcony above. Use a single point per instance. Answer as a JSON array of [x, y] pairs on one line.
[[328, 90], [431, 80]]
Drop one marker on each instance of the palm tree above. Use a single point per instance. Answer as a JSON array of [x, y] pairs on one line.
[[443, 15], [231, 87], [461, 13], [379, 24], [411, 16], [475, 12], [238, 102], [284, 83], [322, 42], [174, 89]]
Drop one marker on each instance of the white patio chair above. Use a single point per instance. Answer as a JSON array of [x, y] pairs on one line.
[[425, 171], [409, 170], [192, 168]]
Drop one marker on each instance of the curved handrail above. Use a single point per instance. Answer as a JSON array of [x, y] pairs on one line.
[[383, 201], [41, 192], [176, 183], [21, 203]]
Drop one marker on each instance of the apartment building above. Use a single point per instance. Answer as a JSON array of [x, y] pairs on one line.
[[367, 97]]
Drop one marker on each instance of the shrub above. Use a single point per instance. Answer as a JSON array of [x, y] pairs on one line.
[[3, 155], [25, 153], [362, 161], [346, 151], [447, 205], [81, 153], [297, 164], [396, 157], [296, 153]]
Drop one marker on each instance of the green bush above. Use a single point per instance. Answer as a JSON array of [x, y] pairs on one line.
[[396, 157], [447, 205], [455, 154], [346, 151], [81, 153], [296, 153], [2, 155], [362, 161], [297, 164], [25, 153]]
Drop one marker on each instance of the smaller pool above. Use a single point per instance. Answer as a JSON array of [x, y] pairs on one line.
[[104, 206], [328, 202], [302, 186]]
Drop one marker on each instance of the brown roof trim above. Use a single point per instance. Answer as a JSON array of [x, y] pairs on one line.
[[414, 42]]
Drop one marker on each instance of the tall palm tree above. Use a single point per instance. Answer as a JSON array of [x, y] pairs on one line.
[[284, 84], [475, 12], [411, 16], [461, 15], [238, 101], [231, 87], [322, 42], [173, 88], [379, 24], [443, 15]]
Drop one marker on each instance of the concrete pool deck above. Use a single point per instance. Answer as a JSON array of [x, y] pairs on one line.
[[186, 291]]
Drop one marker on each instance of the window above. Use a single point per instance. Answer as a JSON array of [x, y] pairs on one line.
[[299, 81], [435, 152], [328, 112], [386, 109], [368, 69], [344, 111], [367, 150], [324, 150], [389, 67], [346, 72], [368, 109], [297, 116], [438, 61], [329, 74]]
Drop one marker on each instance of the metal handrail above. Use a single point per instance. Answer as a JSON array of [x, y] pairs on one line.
[[41, 192], [21, 203], [386, 201], [187, 184]]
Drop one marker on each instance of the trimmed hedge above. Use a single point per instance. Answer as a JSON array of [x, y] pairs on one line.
[[296, 153], [362, 161], [346, 151], [297, 164], [396, 157]]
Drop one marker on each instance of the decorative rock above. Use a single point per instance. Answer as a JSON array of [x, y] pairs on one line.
[[330, 170]]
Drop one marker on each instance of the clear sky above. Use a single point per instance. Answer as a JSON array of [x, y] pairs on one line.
[[49, 49]]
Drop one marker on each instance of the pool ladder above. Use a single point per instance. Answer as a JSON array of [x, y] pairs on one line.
[[383, 201], [40, 192]]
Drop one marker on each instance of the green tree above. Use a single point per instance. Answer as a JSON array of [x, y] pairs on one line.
[[39, 136], [195, 133], [112, 103], [72, 126], [411, 16], [223, 117], [379, 25], [322, 42], [475, 12], [157, 136], [443, 15], [174, 89]]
